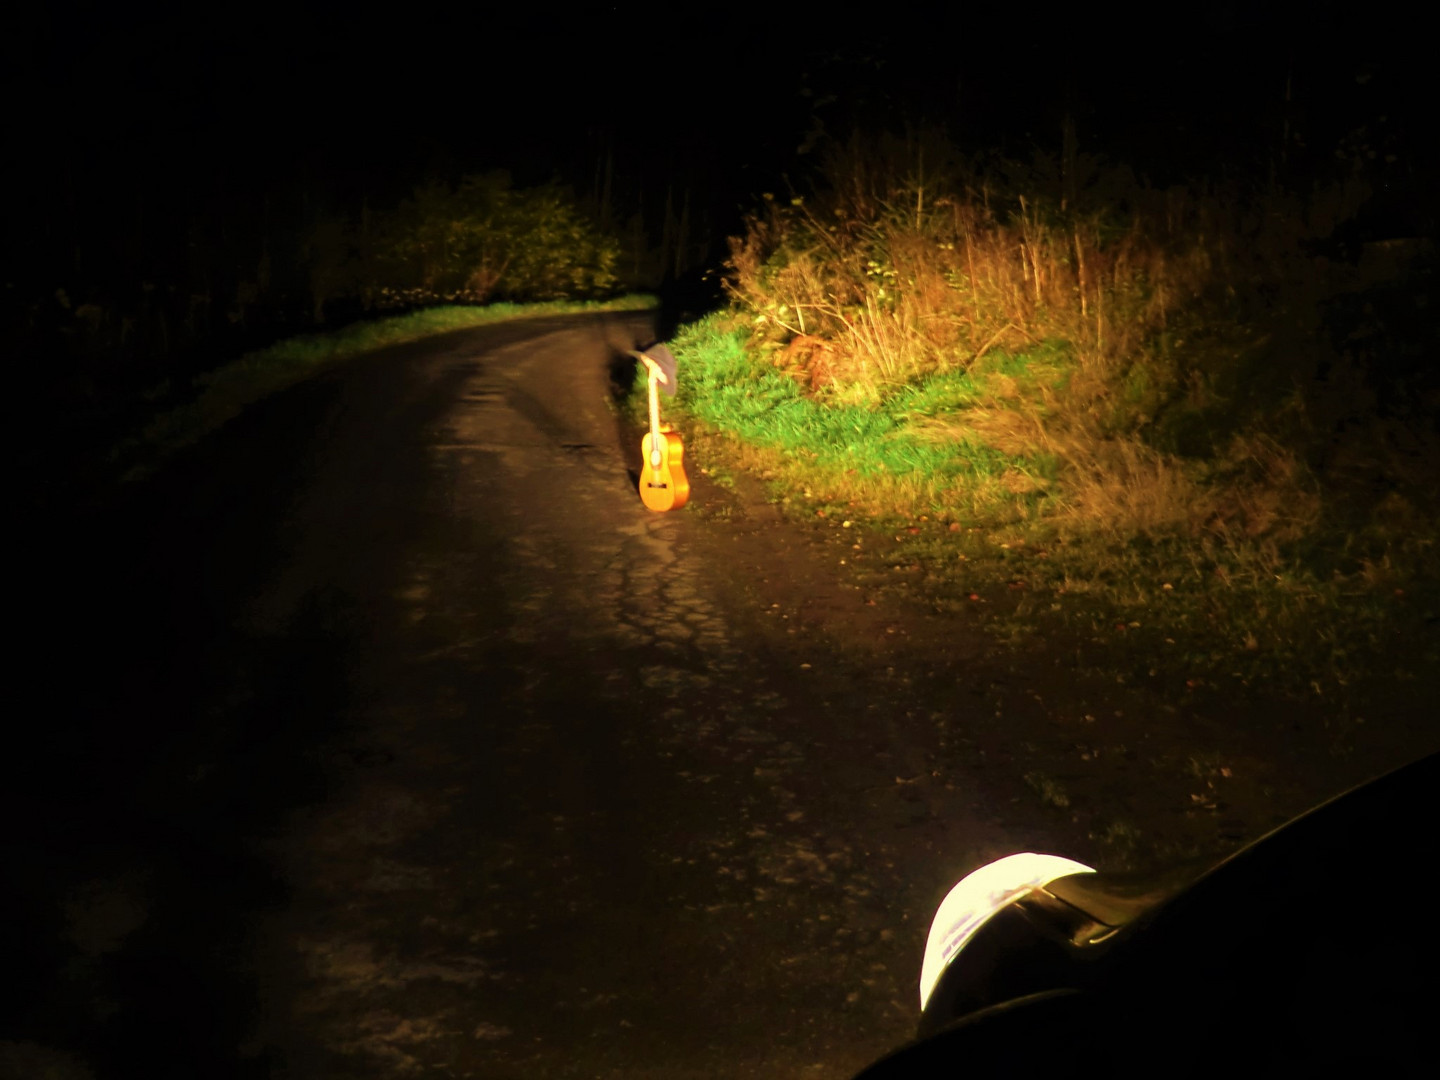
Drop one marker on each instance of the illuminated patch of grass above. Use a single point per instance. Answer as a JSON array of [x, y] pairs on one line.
[[1150, 437], [951, 476], [882, 457], [220, 395]]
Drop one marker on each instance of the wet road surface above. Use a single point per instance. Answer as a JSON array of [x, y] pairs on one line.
[[392, 736], [590, 823], [415, 745]]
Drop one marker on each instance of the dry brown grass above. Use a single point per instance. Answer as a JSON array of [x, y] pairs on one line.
[[880, 282], [897, 295], [1147, 412]]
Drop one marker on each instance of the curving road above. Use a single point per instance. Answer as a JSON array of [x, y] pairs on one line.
[[417, 746], [399, 739], [593, 816]]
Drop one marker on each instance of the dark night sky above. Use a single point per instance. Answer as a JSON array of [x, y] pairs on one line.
[[370, 89], [228, 105]]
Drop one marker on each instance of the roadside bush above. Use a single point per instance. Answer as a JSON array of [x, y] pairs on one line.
[[1202, 411], [484, 239], [476, 241], [1099, 321]]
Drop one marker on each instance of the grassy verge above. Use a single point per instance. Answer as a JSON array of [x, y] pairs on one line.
[[220, 395], [1159, 427], [944, 500]]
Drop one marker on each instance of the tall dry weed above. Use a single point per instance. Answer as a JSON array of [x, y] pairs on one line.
[[899, 268], [903, 279]]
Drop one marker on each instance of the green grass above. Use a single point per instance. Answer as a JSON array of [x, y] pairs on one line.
[[885, 457], [983, 530], [220, 395]]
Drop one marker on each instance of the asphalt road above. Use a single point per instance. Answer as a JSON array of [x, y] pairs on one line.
[[408, 742], [387, 734]]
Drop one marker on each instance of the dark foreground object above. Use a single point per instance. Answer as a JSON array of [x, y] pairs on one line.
[[1313, 948]]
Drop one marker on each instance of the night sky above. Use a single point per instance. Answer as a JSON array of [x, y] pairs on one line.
[[366, 96], [208, 120]]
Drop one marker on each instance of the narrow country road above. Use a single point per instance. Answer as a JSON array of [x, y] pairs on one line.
[[586, 820], [417, 746], [401, 740]]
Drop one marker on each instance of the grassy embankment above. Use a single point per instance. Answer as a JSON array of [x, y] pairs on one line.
[[220, 395], [1170, 437]]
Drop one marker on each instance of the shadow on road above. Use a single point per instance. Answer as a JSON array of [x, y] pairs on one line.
[[168, 740]]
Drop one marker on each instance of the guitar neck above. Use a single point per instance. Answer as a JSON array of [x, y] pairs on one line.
[[654, 408]]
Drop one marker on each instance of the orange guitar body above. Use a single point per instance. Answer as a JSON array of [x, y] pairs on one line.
[[663, 485]]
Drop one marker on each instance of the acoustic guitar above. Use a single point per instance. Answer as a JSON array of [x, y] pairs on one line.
[[663, 485]]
